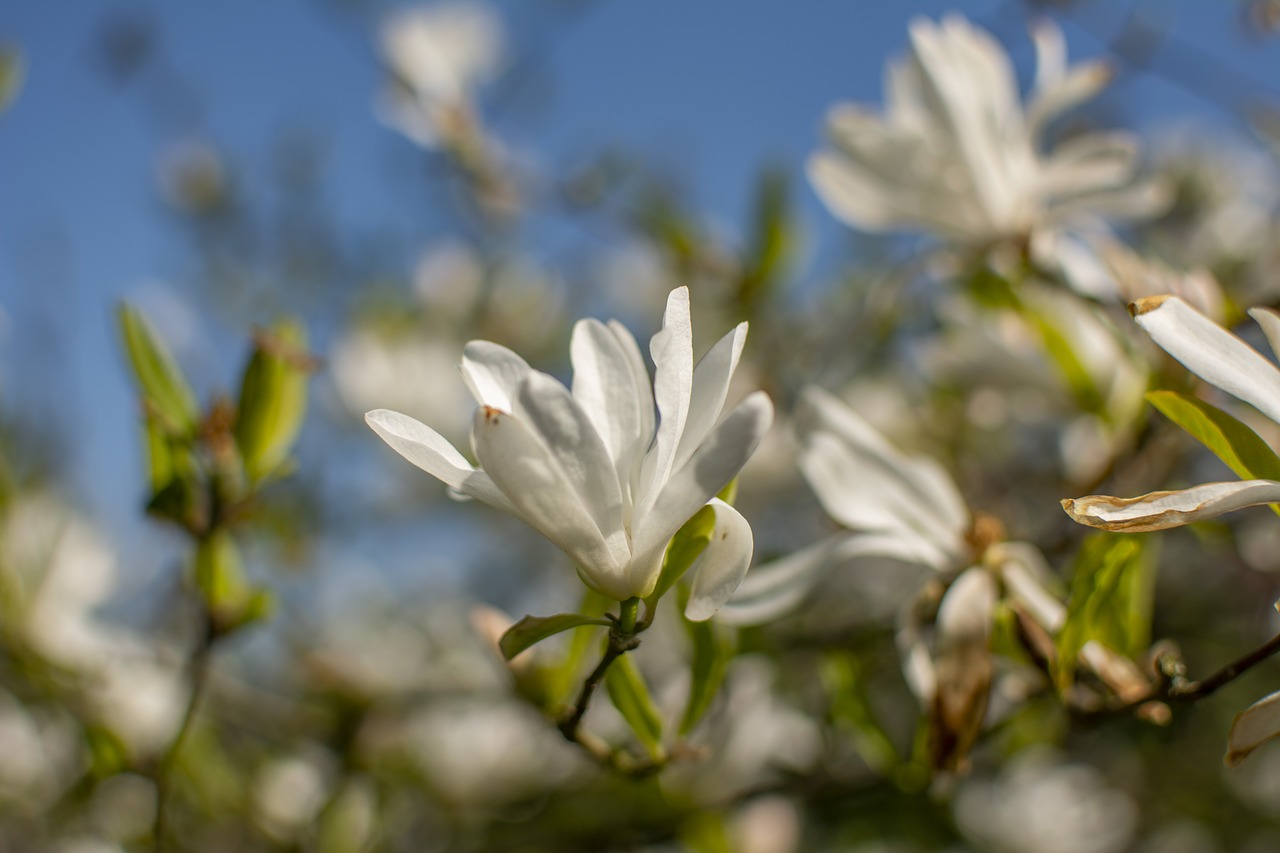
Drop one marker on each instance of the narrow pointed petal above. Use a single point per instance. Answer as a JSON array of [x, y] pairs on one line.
[[530, 477], [607, 388], [672, 352], [1162, 510], [711, 380], [1211, 352], [1253, 727], [722, 565], [865, 483], [549, 410], [639, 381], [1082, 83], [1024, 572], [717, 461], [431, 452], [493, 373], [1091, 162], [774, 589]]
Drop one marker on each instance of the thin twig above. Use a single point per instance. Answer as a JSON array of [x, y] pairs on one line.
[[198, 667]]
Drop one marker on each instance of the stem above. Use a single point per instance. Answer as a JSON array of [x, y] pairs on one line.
[[622, 639], [1189, 691], [198, 667]]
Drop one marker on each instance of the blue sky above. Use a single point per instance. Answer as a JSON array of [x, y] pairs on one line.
[[713, 89]]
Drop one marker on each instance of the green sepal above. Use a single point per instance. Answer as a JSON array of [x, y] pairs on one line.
[[712, 649], [1110, 601], [1239, 447], [273, 399], [686, 547], [535, 629], [631, 697], [165, 391]]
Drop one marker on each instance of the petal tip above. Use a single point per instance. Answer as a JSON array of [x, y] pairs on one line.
[[1146, 304]]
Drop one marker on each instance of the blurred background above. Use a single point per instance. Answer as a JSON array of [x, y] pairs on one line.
[[220, 166]]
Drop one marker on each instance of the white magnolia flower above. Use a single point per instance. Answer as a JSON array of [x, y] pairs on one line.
[[956, 153], [908, 509], [439, 54], [590, 469], [1221, 359]]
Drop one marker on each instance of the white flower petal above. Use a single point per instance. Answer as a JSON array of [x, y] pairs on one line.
[[1162, 510], [549, 410], [1089, 163], [493, 373], [611, 386], [527, 473], [967, 610], [865, 483], [716, 461], [710, 387], [1253, 727], [672, 353], [1211, 352], [1269, 320], [776, 588], [1025, 573], [431, 452], [722, 565]]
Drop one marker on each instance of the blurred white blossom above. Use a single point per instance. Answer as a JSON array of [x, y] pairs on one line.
[[440, 54], [1042, 804], [956, 153]]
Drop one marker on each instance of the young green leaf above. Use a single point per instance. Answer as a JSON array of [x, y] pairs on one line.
[[712, 650], [273, 399], [1241, 448], [630, 696], [1110, 601], [535, 629], [165, 390], [686, 546], [219, 574]]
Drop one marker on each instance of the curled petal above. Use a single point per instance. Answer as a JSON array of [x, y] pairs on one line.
[[1162, 510], [1210, 351], [721, 566], [1253, 727], [607, 387]]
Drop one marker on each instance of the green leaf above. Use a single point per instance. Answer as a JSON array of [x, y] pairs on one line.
[[631, 697], [712, 651], [773, 240], [1234, 443], [160, 464], [165, 390], [273, 399], [686, 546], [535, 629], [705, 832], [1110, 601], [1061, 351]]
